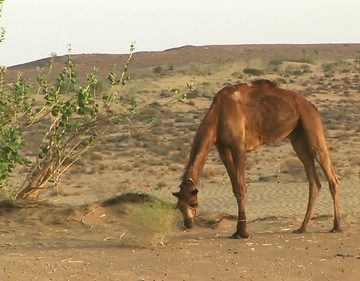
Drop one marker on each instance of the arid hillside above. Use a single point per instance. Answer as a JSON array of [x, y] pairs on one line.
[[249, 55]]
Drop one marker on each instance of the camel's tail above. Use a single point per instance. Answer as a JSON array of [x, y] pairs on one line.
[[204, 139]]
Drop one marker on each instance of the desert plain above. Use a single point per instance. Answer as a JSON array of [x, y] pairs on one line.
[[111, 217]]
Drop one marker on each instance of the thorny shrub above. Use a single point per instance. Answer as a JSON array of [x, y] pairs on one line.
[[77, 114]]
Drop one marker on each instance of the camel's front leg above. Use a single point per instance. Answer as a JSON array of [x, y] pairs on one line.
[[241, 231], [240, 193], [240, 190]]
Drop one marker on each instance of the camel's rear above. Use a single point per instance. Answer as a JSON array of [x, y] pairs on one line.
[[312, 127], [309, 143]]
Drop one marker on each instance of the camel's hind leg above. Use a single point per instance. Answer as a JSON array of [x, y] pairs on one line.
[[314, 133], [322, 156], [300, 146]]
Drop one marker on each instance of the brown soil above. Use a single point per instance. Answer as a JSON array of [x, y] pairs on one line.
[[44, 242], [76, 233]]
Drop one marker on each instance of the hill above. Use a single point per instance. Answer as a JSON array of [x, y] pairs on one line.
[[144, 62]]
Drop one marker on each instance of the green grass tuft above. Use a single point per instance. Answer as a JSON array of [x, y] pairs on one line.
[[152, 222]]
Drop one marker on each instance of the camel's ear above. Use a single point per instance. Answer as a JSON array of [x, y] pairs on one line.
[[176, 194], [194, 192]]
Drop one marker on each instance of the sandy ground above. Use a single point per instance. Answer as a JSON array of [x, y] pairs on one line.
[[69, 234], [45, 242]]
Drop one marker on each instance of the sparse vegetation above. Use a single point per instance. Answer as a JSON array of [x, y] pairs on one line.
[[158, 69], [298, 70], [274, 65], [75, 116], [253, 71], [2, 30], [337, 66], [152, 222], [158, 119], [357, 60]]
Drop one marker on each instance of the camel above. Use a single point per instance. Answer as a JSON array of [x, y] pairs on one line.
[[243, 117]]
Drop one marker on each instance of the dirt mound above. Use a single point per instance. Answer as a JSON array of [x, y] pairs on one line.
[[107, 211], [134, 198]]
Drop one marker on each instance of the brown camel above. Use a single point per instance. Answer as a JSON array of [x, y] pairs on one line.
[[242, 117]]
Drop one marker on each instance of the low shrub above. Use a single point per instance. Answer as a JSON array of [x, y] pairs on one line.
[[152, 222], [253, 71]]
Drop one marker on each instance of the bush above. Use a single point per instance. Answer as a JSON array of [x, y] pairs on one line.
[[274, 65], [158, 69], [76, 116], [337, 66], [357, 60], [153, 221], [2, 30], [253, 71]]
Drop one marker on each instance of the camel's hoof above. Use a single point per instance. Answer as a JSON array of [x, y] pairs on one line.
[[336, 230], [237, 235], [300, 230]]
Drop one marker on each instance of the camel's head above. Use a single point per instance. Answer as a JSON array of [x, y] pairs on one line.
[[187, 201]]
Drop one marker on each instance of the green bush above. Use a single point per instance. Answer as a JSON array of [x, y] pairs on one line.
[[337, 66], [2, 30], [274, 65], [357, 60], [158, 69], [14, 106], [10, 145], [77, 115], [253, 71]]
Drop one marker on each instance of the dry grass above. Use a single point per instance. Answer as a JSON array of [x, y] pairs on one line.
[[151, 223]]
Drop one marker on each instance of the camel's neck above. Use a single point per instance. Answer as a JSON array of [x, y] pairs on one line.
[[192, 172], [203, 141]]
